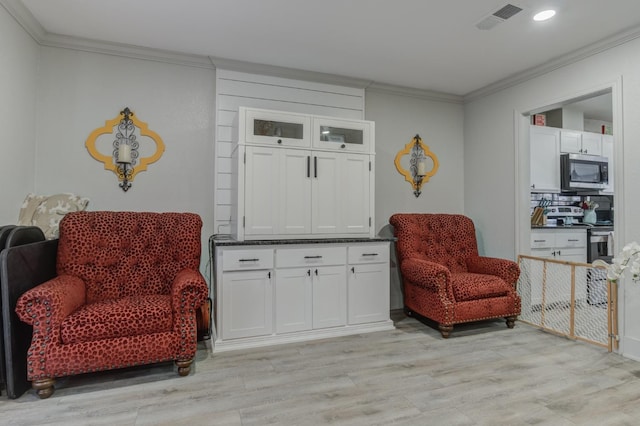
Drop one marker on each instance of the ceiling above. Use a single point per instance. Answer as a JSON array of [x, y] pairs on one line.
[[431, 45]]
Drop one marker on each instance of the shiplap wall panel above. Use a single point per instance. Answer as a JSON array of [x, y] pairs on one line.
[[231, 103], [243, 89], [235, 89]]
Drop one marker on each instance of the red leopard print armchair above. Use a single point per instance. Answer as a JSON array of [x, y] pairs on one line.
[[125, 294], [444, 278]]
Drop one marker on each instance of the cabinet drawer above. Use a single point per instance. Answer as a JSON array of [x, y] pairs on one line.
[[369, 254], [308, 256], [239, 260], [577, 239], [542, 240]]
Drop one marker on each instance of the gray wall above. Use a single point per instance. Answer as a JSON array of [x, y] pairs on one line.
[[440, 124], [18, 77], [496, 158]]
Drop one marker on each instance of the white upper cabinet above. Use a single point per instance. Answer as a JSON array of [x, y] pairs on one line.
[[591, 143], [302, 176], [575, 142], [341, 135], [544, 144], [276, 128]]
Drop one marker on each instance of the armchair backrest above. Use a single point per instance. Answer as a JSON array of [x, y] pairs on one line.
[[447, 239], [120, 254]]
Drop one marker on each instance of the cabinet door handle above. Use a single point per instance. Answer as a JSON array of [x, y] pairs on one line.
[[316, 272], [369, 254], [353, 269], [315, 166], [248, 260], [343, 146], [575, 241], [539, 241], [308, 166], [309, 272], [313, 257], [279, 140], [269, 274]]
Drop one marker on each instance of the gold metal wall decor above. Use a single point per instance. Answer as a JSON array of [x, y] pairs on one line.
[[124, 160], [417, 174]]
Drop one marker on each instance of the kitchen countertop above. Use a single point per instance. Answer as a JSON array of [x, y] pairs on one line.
[[214, 241], [561, 227]]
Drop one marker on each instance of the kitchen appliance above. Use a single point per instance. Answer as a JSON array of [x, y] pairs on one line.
[[564, 215], [599, 246], [579, 172]]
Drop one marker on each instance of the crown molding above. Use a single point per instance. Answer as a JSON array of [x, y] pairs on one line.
[[24, 18], [28, 22], [126, 50], [556, 63], [292, 73], [415, 93]]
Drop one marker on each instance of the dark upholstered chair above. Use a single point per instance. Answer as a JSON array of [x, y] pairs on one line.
[[444, 278], [126, 292]]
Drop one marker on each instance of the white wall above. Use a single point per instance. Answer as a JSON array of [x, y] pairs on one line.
[[440, 125], [490, 138], [18, 73], [78, 91]]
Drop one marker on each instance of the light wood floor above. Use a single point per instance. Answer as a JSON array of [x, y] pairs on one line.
[[485, 374]]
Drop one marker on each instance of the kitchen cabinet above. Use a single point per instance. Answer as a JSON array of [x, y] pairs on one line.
[[576, 142], [277, 293], [285, 187], [562, 245], [368, 276], [544, 143], [607, 151], [311, 291], [341, 135], [246, 278], [276, 128]]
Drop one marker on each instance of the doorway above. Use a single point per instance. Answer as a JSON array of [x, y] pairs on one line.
[[595, 111]]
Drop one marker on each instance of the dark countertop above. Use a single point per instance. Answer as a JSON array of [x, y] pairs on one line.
[[215, 241], [563, 227]]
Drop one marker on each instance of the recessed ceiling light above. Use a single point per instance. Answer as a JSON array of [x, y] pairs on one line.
[[544, 15]]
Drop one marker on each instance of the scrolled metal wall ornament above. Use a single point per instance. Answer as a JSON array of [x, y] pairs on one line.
[[124, 160], [417, 174]]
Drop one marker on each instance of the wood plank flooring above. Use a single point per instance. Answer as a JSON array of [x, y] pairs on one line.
[[485, 374]]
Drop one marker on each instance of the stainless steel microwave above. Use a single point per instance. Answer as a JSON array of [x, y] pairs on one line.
[[579, 172]]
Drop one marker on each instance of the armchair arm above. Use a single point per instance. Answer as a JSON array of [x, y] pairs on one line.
[[428, 275], [506, 269], [48, 304], [188, 291]]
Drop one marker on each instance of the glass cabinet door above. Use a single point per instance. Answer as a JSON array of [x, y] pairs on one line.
[[341, 135], [273, 128]]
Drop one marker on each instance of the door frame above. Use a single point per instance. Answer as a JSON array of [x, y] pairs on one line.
[[521, 119]]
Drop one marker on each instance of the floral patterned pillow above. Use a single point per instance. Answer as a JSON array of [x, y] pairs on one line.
[[46, 212]]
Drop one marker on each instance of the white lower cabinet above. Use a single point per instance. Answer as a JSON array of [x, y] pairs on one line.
[[368, 284], [294, 300], [561, 245], [247, 294], [329, 296], [284, 293]]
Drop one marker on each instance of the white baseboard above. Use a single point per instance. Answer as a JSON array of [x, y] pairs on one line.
[[302, 336]]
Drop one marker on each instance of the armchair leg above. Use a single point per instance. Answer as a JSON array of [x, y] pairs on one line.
[[44, 388], [511, 321], [445, 330], [184, 366]]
